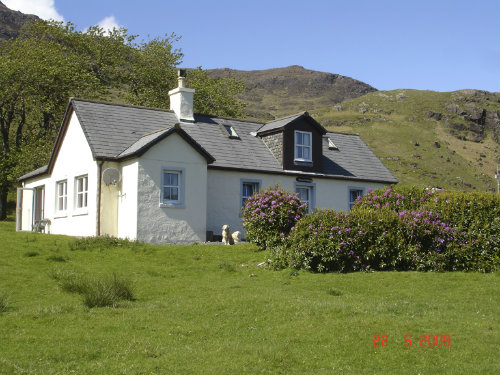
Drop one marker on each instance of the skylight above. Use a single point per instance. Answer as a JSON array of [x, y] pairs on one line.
[[331, 145], [231, 132]]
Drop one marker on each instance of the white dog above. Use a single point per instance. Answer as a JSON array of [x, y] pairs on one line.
[[226, 235], [236, 236], [228, 238]]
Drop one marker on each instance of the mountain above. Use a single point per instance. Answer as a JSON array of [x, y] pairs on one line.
[[445, 139], [273, 93], [11, 22]]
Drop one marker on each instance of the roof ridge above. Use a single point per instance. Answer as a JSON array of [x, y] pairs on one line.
[[157, 131], [161, 109], [334, 132], [289, 116], [120, 104]]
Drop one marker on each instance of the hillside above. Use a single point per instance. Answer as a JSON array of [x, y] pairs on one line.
[[273, 93], [441, 139], [11, 22]]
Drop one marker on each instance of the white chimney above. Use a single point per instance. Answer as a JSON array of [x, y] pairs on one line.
[[181, 99]]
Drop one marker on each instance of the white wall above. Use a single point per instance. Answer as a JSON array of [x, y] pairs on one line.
[[172, 224], [224, 195], [74, 159]]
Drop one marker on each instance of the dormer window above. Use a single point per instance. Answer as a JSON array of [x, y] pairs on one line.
[[231, 132], [303, 146]]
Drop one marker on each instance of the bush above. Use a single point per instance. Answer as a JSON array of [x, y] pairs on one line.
[[401, 198], [406, 228], [269, 215]]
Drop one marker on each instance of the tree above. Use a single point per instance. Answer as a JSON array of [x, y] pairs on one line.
[[50, 62], [154, 74]]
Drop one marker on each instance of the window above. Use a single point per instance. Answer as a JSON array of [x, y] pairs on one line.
[[354, 193], [82, 187], [230, 131], [171, 186], [62, 196], [172, 189], [331, 145], [248, 188], [303, 146], [306, 194]]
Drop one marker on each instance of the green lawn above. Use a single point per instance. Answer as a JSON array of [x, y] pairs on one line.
[[198, 311]]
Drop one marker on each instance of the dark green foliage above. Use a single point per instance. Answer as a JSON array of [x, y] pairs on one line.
[[406, 228], [269, 215]]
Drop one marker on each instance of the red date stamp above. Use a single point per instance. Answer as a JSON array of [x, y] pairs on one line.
[[425, 340]]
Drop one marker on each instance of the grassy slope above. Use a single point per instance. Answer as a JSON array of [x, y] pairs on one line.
[[198, 311], [390, 126]]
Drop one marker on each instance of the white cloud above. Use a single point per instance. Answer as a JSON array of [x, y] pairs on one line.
[[108, 23], [44, 9]]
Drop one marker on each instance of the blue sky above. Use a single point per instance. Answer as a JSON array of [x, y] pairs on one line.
[[441, 45]]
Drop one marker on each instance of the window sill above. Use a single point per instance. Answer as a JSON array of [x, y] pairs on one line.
[[304, 163], [80, 213], [60, 215], [172, 205]]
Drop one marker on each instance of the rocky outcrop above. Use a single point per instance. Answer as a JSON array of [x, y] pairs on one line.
[[12, 21], [471, 113]]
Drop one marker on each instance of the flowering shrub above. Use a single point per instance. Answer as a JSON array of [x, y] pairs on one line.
[[407, 228], [399, 199], [269, 215]]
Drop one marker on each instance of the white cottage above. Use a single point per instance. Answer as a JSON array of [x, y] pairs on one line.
[[175, 176]]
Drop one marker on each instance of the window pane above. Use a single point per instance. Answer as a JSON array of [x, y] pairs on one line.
[[306, 139], [79, 203], [174, 194], [79, 185], [175, 179], [299, 152], [167, 193], [86, 183], [305, 153]]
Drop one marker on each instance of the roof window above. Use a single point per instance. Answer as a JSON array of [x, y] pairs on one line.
[[231, 132], [331, 145]]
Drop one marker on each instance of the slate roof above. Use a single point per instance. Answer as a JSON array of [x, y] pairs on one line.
[[280, 123], [119, 131]]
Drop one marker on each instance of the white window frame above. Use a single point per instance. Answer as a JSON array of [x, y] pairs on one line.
[[311, 187], [83, 193], [61, 211], [173, 203], [243, 181], [352, 189], [304, 146]]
